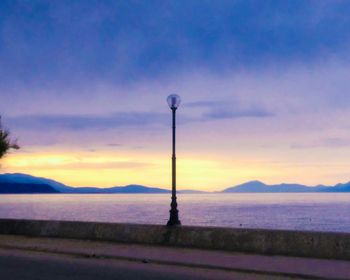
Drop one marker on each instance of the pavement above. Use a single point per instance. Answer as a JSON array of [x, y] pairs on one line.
[[43, 258]]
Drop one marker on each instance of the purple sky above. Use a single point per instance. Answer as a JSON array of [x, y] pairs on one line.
[[264, 84]]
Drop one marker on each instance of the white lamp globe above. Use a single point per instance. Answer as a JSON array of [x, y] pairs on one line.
[[173, 101]]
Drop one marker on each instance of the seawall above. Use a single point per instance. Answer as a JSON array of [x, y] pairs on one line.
[[256, 241]]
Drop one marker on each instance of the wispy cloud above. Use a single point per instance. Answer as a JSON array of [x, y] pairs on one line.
[[223, 113], [206, 103], [83, 122], [323, 143], [113, 145], [90, 165], [70, 122], [213, 34], [229, 110]]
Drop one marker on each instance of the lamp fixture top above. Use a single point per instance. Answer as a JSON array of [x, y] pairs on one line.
[[173, 101]]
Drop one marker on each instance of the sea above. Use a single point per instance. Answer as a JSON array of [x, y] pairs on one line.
[[327, 212]]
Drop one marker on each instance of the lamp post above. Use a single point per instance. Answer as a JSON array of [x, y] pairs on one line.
[[173, 102]]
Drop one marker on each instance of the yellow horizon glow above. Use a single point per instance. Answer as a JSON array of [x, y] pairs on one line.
[[108, 169], [208, 173]]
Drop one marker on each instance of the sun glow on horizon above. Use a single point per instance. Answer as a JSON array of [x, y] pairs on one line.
[[108, 168]]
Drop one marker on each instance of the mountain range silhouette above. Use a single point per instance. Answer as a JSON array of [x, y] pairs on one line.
[[24, 183]]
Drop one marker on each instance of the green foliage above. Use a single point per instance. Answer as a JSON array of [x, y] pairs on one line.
[[5, 142]]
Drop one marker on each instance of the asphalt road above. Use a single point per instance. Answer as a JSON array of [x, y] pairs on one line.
[[29, 265]]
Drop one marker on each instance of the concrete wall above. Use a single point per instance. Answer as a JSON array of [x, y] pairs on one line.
[[276, 242]]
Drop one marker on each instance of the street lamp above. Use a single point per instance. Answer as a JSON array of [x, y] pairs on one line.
[[173, 102]]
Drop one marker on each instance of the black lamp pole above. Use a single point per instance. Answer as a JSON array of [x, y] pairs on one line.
[[174, 101]]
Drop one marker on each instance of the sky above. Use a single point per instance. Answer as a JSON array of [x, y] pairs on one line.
[[264, 87]]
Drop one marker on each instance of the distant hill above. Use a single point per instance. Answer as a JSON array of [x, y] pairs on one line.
[[190, 192], [28, 179], [33, 181], [16, 188], [339, 188], [125, 189], [136, 189], [29, 184], [260, 187]]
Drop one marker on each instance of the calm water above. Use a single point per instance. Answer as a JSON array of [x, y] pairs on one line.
[[321, 212]]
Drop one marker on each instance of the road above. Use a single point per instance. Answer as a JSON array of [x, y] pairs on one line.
[[33, 258], [29, 265]]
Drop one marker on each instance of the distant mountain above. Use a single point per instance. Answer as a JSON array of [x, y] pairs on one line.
[[190, 192], [339, 188], [137, 189], [28, 179], [125, 189], [23, 183], [33, 181], [259, 187], [16, 188]]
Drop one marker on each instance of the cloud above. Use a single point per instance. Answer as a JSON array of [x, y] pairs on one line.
[[88, 122], [206, 103], [231, 111], [113, 145], [248, 113], [70, 122], [323, 143], [91, 165], [215, 110], [45, 41]]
